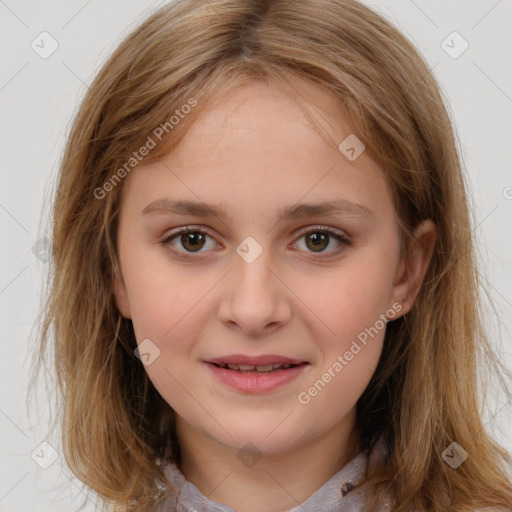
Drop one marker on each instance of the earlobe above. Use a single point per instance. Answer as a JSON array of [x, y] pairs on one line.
[[121, 296], [414, 266]]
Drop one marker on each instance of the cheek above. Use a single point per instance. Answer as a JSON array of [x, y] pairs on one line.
[[161, 296], [350, 298], [349, 325], [167, 307], [349, 332]]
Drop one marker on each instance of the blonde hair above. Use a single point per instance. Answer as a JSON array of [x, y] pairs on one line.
[[423, 395]]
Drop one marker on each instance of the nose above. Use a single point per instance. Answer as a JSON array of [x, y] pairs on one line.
[[255, 300]]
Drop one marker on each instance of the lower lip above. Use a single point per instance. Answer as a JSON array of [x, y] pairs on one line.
[[256, 382]]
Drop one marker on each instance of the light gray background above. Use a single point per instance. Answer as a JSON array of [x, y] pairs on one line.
[[38, 97]]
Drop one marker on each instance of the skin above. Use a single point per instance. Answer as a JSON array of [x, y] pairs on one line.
[[252, 153]]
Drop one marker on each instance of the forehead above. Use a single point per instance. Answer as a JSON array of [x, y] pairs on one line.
[[259, 105], [258, 145]]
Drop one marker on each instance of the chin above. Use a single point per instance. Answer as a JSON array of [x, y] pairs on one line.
[[259, 437]]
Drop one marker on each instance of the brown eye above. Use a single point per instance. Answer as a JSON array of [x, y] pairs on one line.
[[317, 241], [188, 240], [193, 241]]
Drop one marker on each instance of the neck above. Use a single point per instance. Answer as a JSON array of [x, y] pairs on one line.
[[277, 481]]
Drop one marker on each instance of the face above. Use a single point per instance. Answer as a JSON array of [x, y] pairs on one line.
[[311, 286]]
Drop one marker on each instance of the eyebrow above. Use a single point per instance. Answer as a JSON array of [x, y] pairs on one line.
[[198, 208]]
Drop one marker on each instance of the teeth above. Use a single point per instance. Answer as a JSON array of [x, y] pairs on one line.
[[267, 368], [246, 367], [240, 367]]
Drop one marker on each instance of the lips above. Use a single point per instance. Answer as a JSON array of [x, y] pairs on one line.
[[256, 374]]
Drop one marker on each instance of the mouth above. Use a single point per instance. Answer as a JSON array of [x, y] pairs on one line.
[[256, 374]]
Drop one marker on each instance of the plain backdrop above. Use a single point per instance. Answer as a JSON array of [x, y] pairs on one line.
[[38, 97]]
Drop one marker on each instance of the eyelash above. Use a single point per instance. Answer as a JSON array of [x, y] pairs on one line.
[[188, 256]]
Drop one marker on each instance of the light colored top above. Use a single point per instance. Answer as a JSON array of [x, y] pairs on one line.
[[336, 495]]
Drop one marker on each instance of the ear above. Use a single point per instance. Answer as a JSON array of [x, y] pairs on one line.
[[121, 296], [412, 268]]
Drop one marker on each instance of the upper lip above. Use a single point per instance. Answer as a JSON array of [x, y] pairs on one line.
[[261, 360]]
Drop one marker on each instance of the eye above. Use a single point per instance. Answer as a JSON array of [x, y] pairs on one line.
[[190, 238], [318, 239], [193, 240]]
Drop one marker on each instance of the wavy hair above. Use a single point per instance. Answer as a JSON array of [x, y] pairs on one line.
[[424, 394]]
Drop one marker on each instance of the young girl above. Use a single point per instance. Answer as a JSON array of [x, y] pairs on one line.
[[264, 292]]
